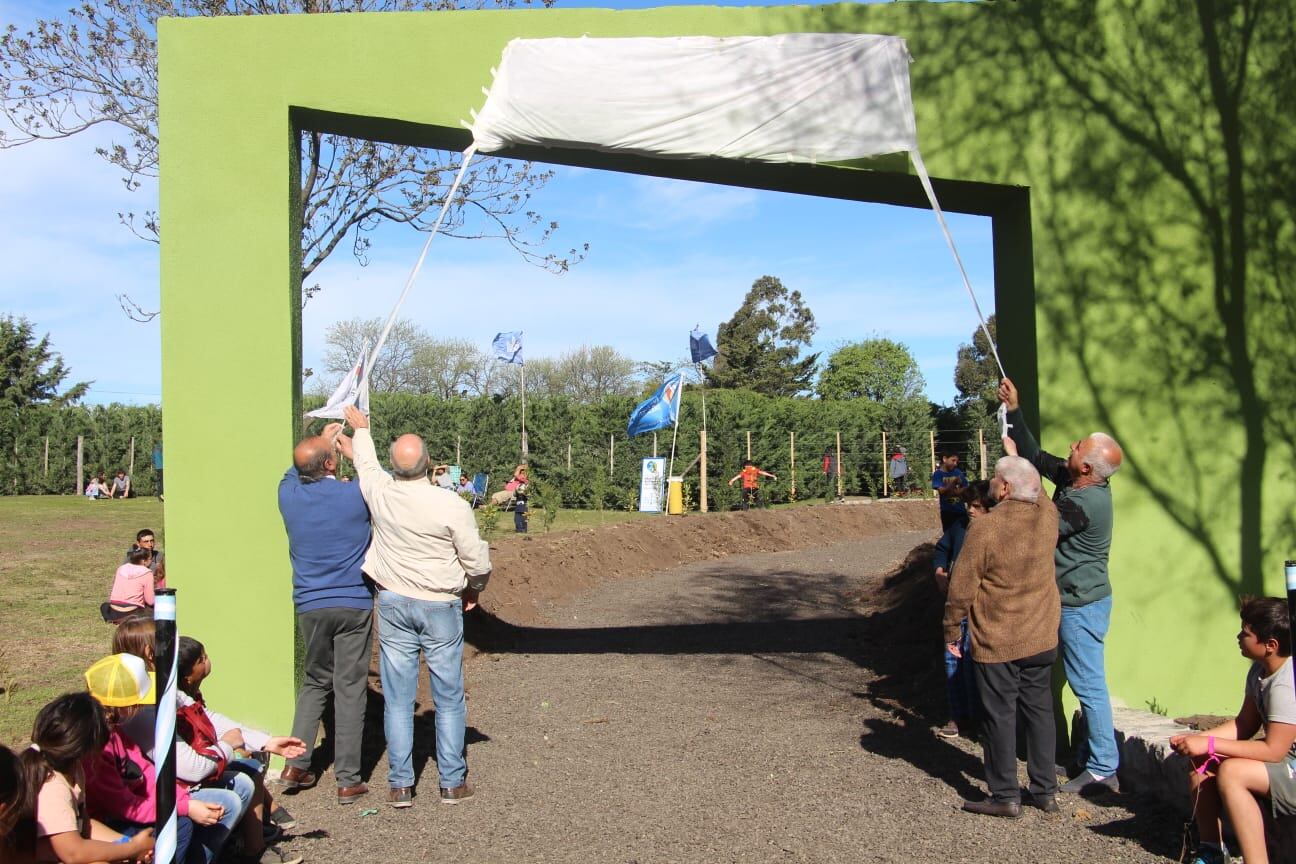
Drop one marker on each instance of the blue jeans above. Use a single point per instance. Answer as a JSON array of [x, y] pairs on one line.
[[1081, 634], [211, 838], [960, 683], [406, 625]]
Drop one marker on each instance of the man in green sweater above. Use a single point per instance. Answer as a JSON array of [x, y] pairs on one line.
[[1085, 520], [1003, 584]]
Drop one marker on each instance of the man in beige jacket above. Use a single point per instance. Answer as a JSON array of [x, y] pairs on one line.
[[430, 564], [1004, 585]]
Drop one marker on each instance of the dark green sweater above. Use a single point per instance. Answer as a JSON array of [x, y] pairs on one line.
[[1085, 520]]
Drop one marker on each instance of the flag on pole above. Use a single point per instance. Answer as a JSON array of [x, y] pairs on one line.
[[700, 346], [353, 390], [659, 410], [508, 347]]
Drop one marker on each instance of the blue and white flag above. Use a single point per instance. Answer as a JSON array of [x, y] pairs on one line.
[[353, 389], [659, 410], [700, 346], [508, 347]]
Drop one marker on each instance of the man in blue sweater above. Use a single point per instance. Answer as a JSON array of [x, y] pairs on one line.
[[1085, 519], [328, 534]]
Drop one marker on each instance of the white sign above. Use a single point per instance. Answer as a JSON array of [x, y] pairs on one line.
[[652, 484]]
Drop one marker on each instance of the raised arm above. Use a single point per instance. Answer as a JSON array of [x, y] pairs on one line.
[[1049, 466], [365, 456]]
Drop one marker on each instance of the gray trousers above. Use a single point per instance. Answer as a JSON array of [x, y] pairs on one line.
[[338, 650]]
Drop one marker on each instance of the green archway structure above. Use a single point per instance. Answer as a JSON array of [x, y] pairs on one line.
[[1135, 156]]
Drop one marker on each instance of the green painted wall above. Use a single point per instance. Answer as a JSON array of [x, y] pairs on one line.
[[1144, 267]]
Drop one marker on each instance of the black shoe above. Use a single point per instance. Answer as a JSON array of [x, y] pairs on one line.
[[1047, 803], [1005, 809], [1085, 783]]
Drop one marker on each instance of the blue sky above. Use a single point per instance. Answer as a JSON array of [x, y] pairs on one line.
[[665, 255]]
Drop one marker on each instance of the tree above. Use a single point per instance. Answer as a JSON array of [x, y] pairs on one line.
[[760, 345], [446, 367], [881, 370], [99, 66], [30, 373], [394, 371], [976, 375]]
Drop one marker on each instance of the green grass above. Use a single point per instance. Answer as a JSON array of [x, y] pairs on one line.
[[57, 559]]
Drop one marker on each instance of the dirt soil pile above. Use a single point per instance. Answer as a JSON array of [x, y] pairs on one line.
[[535, 571]]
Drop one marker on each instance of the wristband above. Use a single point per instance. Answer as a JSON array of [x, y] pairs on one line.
[[1211, 757]]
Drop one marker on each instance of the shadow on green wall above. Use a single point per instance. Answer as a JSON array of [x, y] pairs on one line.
[[1159, 152]]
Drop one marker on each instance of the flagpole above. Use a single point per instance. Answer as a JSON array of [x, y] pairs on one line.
[[525, 451], [670, 472]]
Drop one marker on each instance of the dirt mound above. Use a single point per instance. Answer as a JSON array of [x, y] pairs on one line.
[[533, 572]]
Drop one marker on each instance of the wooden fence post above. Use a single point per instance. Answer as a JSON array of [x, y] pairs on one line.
[[932, 435], [46, 463], [981, 448], [749, 445], [80, 465], [792, 459], [130, 471], [458, 453], [841, 493], [611, 454], [702, 469], [886, 474], [569, 455]]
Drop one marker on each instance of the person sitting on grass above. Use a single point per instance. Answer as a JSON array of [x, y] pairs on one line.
[[145, 539], [121, 486], [750, 476], [121, 784], [97, 488], [17, 811], [198, 771], [1230, 765], [133, 587], [217, 738], [67, 732], [960, 685]]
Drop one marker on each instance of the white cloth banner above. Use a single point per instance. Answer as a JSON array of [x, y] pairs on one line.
[[798, 97], [353, 389]]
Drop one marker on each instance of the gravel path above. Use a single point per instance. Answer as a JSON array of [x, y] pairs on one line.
[[755, 709]]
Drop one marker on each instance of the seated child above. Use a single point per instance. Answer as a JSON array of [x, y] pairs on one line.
[[133, 586], [17, 812], [67, 732], [215, 737], [200, 772], [960, 685], [121, 784], [1230, 766]]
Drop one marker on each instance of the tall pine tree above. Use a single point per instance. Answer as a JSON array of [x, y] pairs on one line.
[[760, 346]]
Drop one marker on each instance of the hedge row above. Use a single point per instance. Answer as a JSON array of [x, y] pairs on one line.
[[487, 433]]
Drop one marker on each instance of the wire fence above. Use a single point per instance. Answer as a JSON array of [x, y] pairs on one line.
[[581, 450]]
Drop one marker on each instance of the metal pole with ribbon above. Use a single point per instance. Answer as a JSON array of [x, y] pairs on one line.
[[164, 652]]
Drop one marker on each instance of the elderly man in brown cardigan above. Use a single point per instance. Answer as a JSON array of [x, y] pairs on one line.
[[1004, 585]]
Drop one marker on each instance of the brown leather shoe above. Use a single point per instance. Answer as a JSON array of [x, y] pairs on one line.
[[459, 793], [401, 797], [348, 794], [296, 779], [1005, 809]]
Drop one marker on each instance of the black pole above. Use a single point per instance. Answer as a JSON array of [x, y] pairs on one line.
[[1289, 570], [164, 656]]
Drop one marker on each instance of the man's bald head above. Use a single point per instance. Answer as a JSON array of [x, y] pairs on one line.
[[1104, 454], [314, 458], [409, 457]]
